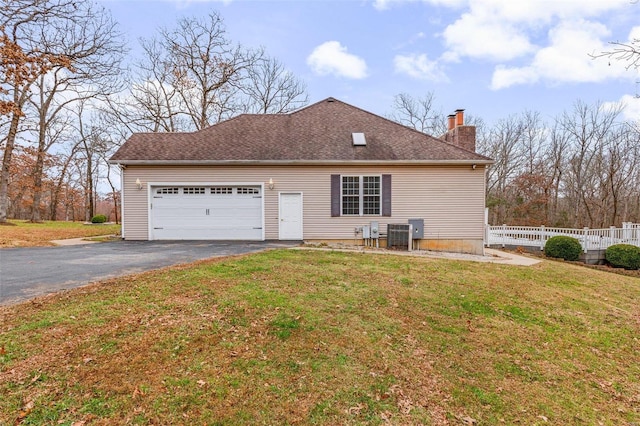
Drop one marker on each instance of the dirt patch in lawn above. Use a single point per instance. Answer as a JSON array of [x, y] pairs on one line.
[[27, 234]]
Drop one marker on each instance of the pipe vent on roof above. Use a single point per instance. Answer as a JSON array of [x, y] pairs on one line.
[[358, 139]]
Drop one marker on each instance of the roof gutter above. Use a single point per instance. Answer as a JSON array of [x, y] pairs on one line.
[[480, 161]]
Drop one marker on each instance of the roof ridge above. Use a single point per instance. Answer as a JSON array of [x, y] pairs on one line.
[[332, 99], [329, 99]]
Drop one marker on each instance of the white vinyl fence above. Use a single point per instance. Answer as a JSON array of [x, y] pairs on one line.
[[590, 239]]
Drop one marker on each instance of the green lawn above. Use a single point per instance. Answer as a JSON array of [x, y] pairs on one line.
[[27, 234], [308, 337]]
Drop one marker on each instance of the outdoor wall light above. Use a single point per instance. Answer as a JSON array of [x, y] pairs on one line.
[[138, 184], [473, 166], [271, 183]]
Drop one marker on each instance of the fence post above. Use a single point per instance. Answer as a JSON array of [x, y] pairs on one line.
[[612, 235], [542, 239], [504, 231], [625, 231], [585, 236]]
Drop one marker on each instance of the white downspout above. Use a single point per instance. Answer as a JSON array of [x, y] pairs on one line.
[[122, 201]]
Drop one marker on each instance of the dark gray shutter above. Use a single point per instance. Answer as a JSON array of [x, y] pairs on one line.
[[386, 195], [335, 195]]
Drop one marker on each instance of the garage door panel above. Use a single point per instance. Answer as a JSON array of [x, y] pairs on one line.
[[234, 215], [211, 233]]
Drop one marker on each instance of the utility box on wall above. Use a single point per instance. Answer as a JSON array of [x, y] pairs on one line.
[[375, 230], [418, 228]]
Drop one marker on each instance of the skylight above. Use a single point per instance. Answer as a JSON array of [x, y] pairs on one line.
[[358, 139]]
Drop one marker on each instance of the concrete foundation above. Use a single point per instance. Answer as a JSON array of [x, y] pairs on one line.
[[449, 246], [592, 257]]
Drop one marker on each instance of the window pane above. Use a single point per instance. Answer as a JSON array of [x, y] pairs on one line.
[[350, 185], [243, 190], [371, 205], [193, 190], [222, 190], [167, 191], [350, 205], [371, 185], [371, 195], [350, 195]]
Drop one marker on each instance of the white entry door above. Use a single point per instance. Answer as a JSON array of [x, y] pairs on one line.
[[290, 216]]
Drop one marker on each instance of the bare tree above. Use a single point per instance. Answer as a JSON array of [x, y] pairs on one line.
[[59, 175], [88, 36], [153, 103], [587, 127], [505, 147], [23, 59], [554, 157], [192, 76], [271, 89], [83, 51], [419, 113], [628, 53], [204, 66]]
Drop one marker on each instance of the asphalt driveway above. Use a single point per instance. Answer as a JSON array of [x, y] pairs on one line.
[[35, 271]]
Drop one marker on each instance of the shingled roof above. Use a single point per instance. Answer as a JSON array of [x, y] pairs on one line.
[[319, 133]]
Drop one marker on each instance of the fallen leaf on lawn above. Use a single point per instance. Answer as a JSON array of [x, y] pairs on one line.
[[137, 392], [201, 382], [355, 410], [2, 350], [24, 412], [79, 423], [466, 420], [543, 418], [87, 360]]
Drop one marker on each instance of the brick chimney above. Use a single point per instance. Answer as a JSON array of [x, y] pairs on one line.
[[458, 133]]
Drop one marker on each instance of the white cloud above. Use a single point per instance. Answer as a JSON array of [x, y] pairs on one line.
[[332, 58], [530, 41], [565, 59], [530, 12], [184, 4], [634, 34], [503, 30], [476, 37], [386, 4], [504, 77], [630, 105], [419, 66]]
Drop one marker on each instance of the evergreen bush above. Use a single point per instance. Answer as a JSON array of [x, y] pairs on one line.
[[99, 218], [623, 256], [563, 247]]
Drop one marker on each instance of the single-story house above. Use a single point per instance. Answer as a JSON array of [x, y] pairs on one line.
[[320, 173]]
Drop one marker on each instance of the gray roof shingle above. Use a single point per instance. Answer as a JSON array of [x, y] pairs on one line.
[[315, 134]]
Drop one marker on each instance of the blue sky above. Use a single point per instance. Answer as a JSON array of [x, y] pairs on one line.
[[490, 57]]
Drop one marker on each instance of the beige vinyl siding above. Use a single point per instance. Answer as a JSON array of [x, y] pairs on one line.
[[449, 198]]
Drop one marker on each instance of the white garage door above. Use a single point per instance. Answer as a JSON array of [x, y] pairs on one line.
[[206, 213]]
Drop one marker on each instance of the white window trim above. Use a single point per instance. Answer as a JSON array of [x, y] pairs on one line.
[[361, 195]]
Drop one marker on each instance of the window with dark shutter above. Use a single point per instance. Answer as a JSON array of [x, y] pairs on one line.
[[360, 195], [335, 195], [386, 195]]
